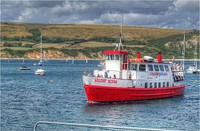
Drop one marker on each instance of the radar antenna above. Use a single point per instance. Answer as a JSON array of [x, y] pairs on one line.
[[119, 45]]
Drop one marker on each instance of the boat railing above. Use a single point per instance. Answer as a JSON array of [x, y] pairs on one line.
[[98, 126], [92, 76]]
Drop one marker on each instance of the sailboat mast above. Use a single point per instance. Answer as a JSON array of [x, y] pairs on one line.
[[195, 54], [41, 51], [183, 52]]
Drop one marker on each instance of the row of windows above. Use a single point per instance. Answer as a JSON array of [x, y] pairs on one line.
[[116, 57], [113, 57], [150, 67], [156, 85]]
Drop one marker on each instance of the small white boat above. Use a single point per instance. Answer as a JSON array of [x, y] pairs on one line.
[[193, 69], [40, 71]]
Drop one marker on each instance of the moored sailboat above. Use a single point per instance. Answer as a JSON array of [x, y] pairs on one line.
[[194, 68], [24, 66], [40, 70]]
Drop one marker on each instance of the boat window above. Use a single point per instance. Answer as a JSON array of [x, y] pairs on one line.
[[121, 56], [146, 85], [107, 57], [150, 67], [142, 67], [167, 84], [116, 57], [163, 84], [159, 85], [150, 85], [156, 68], [125, 58], [155, 85], [111, 57], [166, 68], [161, 67], [134, 67]]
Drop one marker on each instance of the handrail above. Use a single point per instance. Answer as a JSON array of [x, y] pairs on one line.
[[100, 126], [119, 78]]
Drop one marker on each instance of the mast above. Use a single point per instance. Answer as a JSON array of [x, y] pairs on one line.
[[121, 34], [195, 54], [41, 51], [183, 52], [119, 45]]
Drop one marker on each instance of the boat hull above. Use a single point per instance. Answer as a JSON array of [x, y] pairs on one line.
[[24, 68], [39, 72], [116, 94]]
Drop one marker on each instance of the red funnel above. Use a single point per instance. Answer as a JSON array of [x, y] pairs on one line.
[[138, 55], [159, 57]]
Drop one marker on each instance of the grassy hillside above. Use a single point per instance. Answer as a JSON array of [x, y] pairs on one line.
[[85, 31], [87, 41]]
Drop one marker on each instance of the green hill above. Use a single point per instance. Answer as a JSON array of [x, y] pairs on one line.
[[88, 41]]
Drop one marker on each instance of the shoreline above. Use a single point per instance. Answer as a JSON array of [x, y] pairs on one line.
[[44, 59], [80, 59]]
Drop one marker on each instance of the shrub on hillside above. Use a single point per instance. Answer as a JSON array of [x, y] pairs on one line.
[[12, 44], [28, 45], [34, 31]]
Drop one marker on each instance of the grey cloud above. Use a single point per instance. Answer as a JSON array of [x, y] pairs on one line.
[[174, 13]]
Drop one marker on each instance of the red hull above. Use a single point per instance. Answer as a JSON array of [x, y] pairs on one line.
[[114, 94]]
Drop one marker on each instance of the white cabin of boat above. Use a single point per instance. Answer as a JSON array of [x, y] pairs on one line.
[[144, 71]]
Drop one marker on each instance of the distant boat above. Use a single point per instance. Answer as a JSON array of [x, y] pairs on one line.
[[101, 64], [72, 61], [194, 68], [40, 71], [24, 67], [86, 61]]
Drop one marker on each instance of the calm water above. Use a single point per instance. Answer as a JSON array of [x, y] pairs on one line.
[[27, 98]]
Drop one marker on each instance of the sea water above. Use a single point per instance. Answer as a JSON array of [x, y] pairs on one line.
[[59, 96]]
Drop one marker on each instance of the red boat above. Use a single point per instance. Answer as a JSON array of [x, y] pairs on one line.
[[124, 79]]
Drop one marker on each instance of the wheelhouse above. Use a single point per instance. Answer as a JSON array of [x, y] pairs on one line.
[[116, 60]]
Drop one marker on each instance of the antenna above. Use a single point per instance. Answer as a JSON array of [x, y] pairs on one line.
[[41, 51], [195, 53], [119, 45], [183, 52]]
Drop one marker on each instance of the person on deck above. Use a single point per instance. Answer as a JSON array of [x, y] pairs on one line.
[[114, 76], [106, 75]]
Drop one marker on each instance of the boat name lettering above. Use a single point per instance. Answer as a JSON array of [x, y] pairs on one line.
[[112, 81], [100, 80], [158, 73]]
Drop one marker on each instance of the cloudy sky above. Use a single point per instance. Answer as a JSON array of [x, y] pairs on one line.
[[179, 14]]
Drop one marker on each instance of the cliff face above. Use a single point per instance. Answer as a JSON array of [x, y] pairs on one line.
[[51, 54], [47, 54]]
